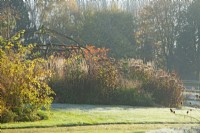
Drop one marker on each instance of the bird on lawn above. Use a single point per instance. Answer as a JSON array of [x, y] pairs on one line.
[[187, 112]]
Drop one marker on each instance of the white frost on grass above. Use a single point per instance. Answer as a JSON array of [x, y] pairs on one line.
[[87, 107]]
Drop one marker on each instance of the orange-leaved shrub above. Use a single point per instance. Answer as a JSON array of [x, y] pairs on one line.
[[88, 78], [23, 82]]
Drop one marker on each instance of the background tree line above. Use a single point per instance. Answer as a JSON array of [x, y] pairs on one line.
[[164, 32]]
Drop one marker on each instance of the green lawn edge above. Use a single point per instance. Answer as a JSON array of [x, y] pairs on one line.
[[67, 115]]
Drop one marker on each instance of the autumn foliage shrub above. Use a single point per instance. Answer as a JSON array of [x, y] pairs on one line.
[[93, 78], [87, 78], [165, 88], [23, 82], [2, 105], [96, 79]]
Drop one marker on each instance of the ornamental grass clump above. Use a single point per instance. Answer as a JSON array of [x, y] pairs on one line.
[[165, 88]]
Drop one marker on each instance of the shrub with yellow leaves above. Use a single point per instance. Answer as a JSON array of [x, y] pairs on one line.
[[24, 88]]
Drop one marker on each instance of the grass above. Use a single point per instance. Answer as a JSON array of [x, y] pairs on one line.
[[119, 128], [65, 116]]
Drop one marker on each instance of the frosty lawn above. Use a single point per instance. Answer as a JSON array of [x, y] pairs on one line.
[[78, 115]]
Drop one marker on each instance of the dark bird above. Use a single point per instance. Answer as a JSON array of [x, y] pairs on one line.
[[171, 110], [187, 112], [174, 112]]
